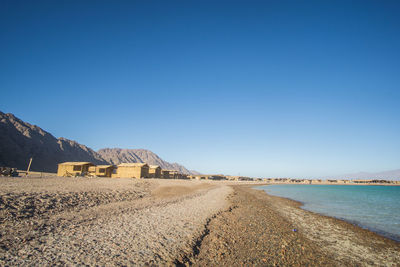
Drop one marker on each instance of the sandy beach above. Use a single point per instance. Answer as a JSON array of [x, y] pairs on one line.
[[99, 221]]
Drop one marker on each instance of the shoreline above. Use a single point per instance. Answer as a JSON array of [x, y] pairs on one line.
[[363, 236], [299, 204], [38, 174], [262, 229]]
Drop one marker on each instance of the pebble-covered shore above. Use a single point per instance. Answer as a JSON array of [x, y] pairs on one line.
[[85, 222], [265, 230], [98, 221]]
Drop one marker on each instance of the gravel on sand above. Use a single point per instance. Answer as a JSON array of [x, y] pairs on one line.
[[131, 222], [100, 221], [260, 229]]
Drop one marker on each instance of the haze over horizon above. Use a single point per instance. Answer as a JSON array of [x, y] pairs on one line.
[[259, 88]]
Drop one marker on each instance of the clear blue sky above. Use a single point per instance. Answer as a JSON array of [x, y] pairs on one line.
[[260, 88]]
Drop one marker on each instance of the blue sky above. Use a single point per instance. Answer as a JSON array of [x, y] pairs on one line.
[[258, 88]]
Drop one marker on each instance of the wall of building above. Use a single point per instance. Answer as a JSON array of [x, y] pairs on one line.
[[155, 173], [107, 173], [67, 170], [132, 172]]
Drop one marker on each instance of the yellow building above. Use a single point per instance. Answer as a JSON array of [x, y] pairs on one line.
[[154, 171], [173, 174], [200, 177], [165, 174], [73, 168], [132, 170], [102, 170]]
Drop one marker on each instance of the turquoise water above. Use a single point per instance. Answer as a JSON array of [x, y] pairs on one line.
[[376, 208]]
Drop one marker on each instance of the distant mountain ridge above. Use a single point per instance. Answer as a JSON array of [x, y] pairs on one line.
[[20, 141], [385, 175], [119, 155]]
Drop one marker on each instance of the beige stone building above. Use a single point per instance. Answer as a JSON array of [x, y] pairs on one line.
[[102, 170], [154, 171], [173, 174], [73, 168], [165, 174], [131, 170]]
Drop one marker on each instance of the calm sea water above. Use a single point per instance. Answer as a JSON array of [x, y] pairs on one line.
[[376, 208]]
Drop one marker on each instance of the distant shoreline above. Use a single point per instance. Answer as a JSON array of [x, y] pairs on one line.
[[22, 173]]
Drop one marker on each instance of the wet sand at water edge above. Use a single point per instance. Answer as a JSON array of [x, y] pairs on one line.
[[258, 229], [71, 221]]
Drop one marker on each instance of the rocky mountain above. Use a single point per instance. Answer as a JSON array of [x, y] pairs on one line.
[[119, 155], [20, 141]]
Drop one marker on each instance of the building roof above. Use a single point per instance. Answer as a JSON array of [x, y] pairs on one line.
[[133, 165], [76, 163], [154, 166], [104, 166]]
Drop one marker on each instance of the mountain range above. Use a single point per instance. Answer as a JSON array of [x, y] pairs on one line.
[[117, 155], [20, 141]]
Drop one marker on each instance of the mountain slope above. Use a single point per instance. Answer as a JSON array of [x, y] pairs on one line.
[[20, 141], [119, 155]]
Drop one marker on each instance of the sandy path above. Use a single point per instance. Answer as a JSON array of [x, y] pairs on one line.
[[145, 222]]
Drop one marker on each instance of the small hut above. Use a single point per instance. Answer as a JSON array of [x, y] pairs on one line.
[[73, 168], [165, 174], [132, 170], [154, 171], [217, 177], [173, 174], [102, 170]]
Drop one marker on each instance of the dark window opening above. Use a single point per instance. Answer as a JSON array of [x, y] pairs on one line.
[[77, 168]]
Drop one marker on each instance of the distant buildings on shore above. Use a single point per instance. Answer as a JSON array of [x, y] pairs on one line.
[[143, 170], [329, 181], [123, 170], [133, 170]]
